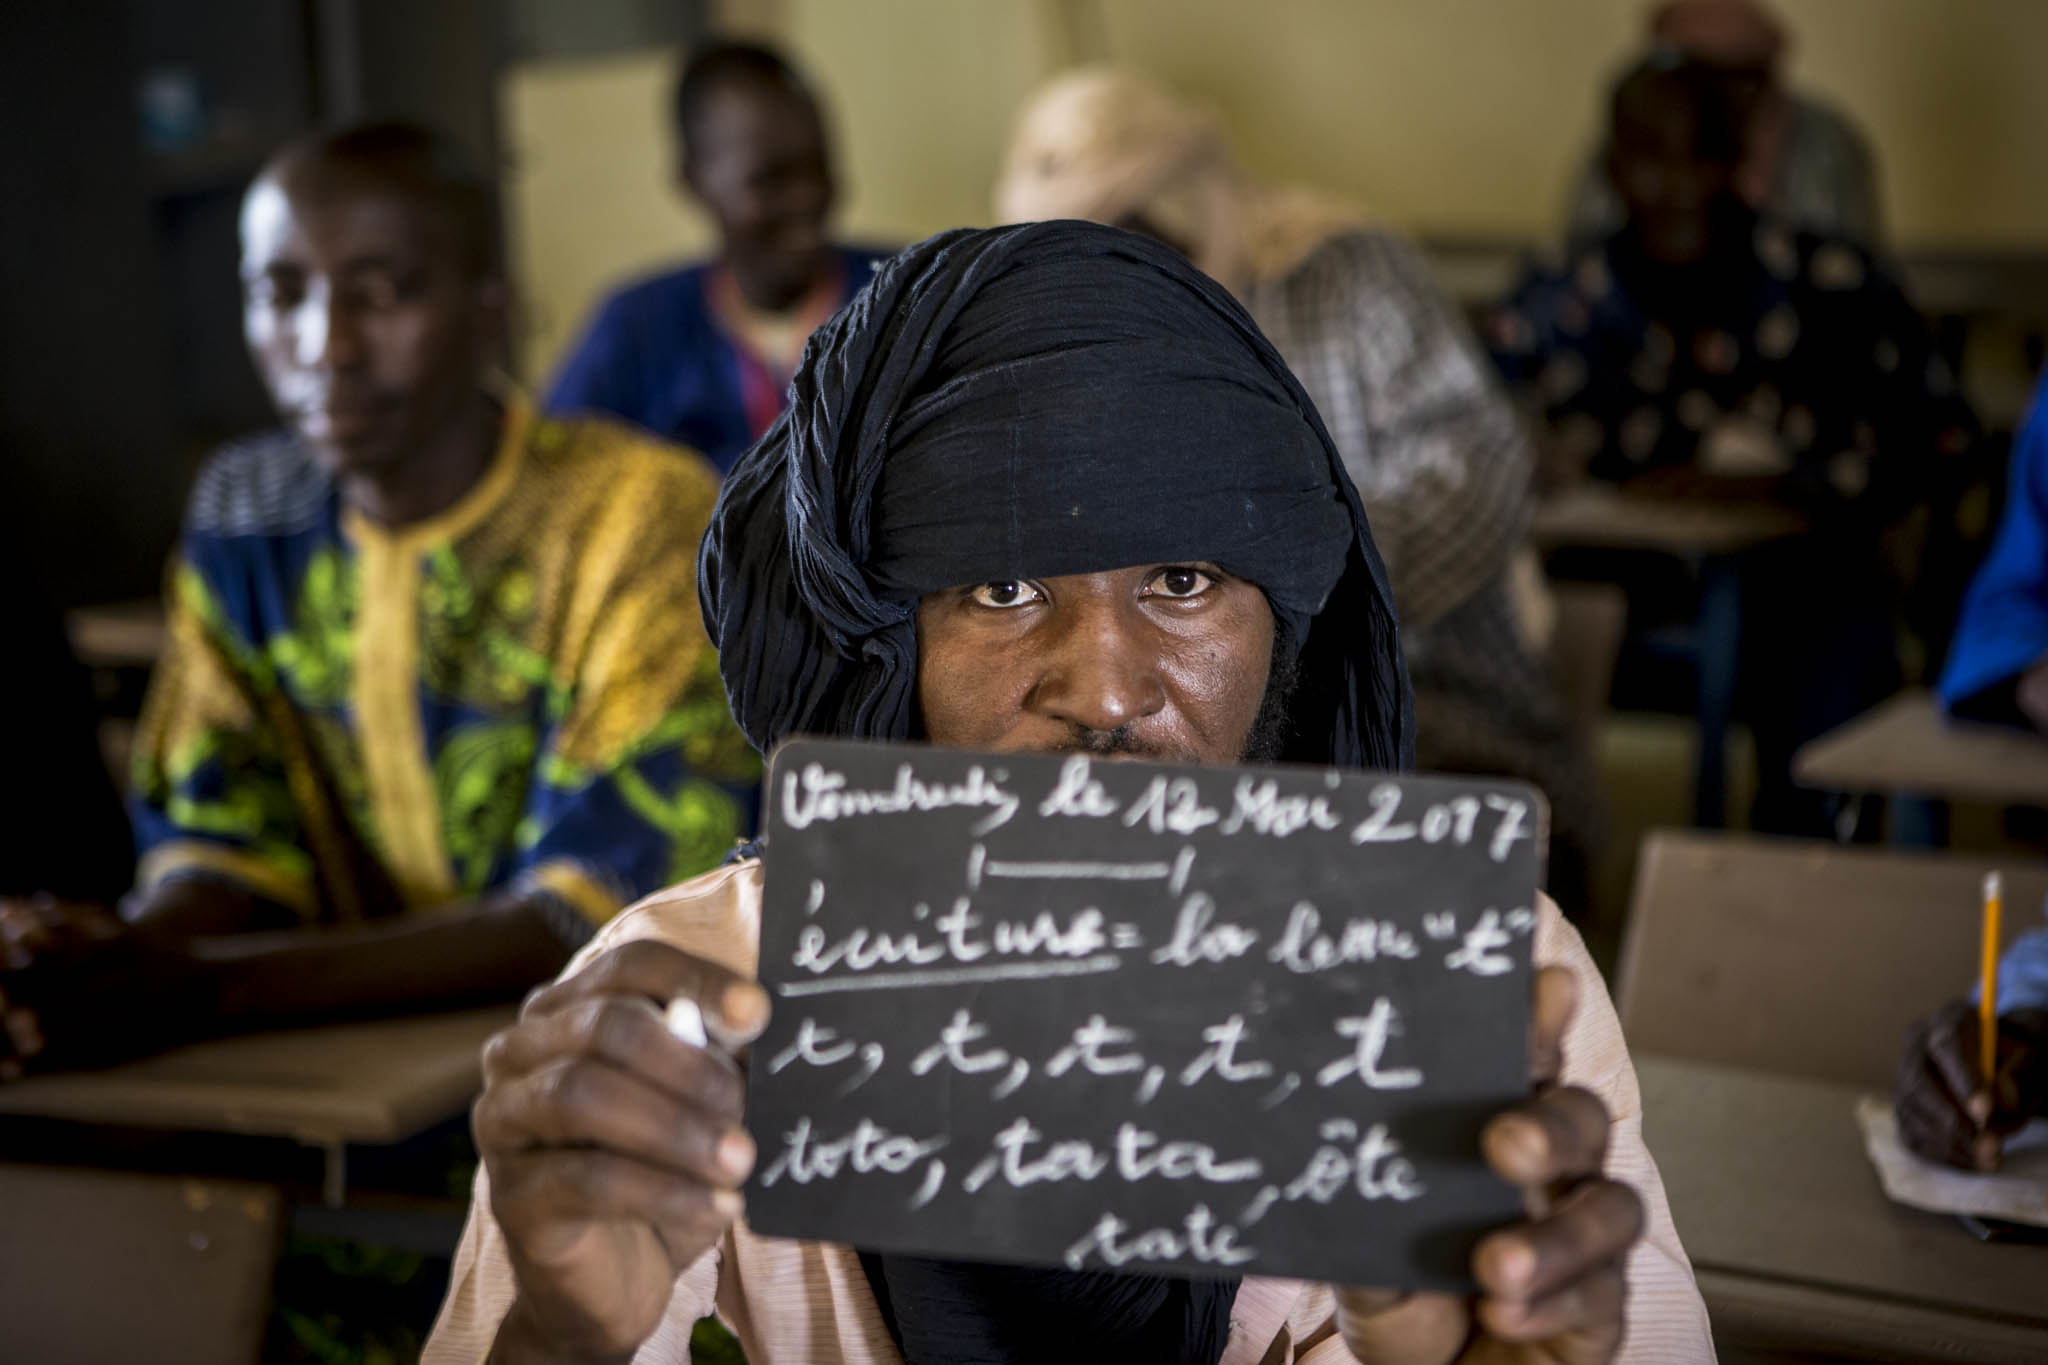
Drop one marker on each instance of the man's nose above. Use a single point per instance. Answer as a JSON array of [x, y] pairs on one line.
[[327, 334], [1102, 669]]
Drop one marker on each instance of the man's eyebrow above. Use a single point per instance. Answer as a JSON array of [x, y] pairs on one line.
[[260, 270], [374, 263]]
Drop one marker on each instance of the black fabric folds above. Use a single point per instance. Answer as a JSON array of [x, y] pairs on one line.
[[1031, 401], [972, 1313], [1027, 402]]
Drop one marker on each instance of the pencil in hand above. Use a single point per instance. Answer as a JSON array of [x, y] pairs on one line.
[[1987, 999]]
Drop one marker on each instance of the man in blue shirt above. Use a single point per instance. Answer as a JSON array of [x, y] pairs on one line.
[[1998, 664], [703, 355]]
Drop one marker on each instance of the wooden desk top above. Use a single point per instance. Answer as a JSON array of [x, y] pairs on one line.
[[380, 1081], [119, 635], [1771, 1191], [1907, 745], [1601, 517]]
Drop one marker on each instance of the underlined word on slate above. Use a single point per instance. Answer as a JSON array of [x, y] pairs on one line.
[[953, 976]]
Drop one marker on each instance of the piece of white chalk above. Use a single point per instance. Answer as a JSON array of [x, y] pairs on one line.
[[686, 1021]]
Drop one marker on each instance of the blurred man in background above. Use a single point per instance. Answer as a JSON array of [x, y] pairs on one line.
[[1706, 351], [1425, 431], [428, 653], [1805, 163], [703, 355]]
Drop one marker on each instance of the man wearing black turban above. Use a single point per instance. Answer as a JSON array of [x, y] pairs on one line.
[[1039, 488]]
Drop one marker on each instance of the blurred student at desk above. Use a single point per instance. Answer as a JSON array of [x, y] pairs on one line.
[[1705, 351], [1807, 164], [437, 698], [703, 355], [1998, 661]]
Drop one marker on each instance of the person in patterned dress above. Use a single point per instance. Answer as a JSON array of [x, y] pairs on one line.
[[437, 699], [1706, 351]]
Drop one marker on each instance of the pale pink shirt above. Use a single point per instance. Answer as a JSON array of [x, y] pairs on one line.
[[808, 1303]]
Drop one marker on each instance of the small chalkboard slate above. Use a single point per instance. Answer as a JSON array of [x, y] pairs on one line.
[[1063, 1011]]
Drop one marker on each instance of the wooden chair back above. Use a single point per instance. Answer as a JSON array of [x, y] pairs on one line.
[[1800, 957], [115, 1267]]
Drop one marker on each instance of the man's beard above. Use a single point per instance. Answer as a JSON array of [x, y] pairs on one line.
[[1274, 724]]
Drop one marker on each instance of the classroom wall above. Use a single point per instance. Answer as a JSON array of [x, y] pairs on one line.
[[1455, 117]]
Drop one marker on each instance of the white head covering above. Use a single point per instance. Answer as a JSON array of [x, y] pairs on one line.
[[1105, 144]]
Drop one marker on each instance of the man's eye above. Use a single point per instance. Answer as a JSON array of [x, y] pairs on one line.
[[1004, 592], [378, 292], [1181, 581], [266, 293]]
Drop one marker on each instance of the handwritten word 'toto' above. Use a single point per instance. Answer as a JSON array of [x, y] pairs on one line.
[[868, 1148]]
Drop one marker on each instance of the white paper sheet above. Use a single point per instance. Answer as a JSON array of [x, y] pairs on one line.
[[2016, 1192]]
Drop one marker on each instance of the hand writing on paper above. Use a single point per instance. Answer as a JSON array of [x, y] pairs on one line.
[[614, 1147], [1551, 1288], [1946, 1111]]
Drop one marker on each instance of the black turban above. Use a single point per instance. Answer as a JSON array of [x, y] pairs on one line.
[[1025, 402], [1018, 403]]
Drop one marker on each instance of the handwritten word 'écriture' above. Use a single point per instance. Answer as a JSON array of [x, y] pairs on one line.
[[816, 794], [961, 938]]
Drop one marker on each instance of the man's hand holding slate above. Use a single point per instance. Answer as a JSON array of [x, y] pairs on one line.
[[614, 1148], [1552, 1288]]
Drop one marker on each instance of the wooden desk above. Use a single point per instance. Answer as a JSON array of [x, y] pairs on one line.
[[1795, 1245], [119, 634], [1907, 745], [381, 1081], [1709, 535], [1602, 517], [184, 1265], [1977, 282]]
